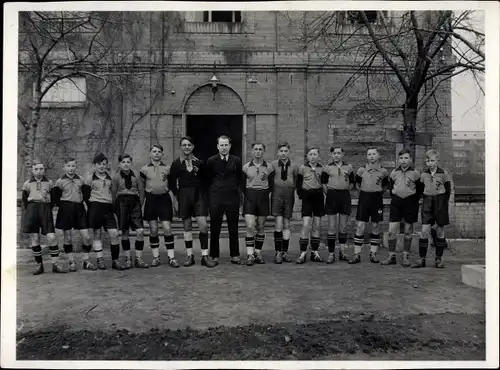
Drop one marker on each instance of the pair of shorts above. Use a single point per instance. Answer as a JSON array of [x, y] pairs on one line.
[[101, 215], [158, 207], [435, 210], [370, 206], [192, 203], [256, 202], [313, 203], [128, 211], [71, 215], [404, 209], [282, 201], [38, 216], [338, 201]]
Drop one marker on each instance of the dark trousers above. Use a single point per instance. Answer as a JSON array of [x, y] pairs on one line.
[[232, 211]]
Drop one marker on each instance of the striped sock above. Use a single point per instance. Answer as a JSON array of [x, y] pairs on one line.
[[407, 244], [139, 247], [37, 253], [188, 241], [358, 243], [392, 245], [278, 241], [259, 241], [97, 245], [422, 247], [342, 242], [331, 242], [250, 244], [54, 253], [154, 242], [440, 244], [303, 243], [315, 241], [203, 243], [126, 247], [374, 242], [115, 251], [169, 244]]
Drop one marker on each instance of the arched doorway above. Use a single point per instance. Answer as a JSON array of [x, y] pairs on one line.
[[209, 115]]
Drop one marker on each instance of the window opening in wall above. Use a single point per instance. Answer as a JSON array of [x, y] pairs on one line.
[[222, 16], [67, 90], [354, 17]]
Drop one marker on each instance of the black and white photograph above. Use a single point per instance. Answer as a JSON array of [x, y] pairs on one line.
[[250, 185]]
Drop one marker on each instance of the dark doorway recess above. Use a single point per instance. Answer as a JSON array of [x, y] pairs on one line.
[[204, 130]]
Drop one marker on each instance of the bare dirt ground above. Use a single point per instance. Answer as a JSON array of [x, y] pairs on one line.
[[313, 311]]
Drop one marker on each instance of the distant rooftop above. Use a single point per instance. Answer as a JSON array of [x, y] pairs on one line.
[[468, 135]]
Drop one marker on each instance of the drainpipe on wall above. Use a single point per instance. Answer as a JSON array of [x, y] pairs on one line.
[[306, 115]]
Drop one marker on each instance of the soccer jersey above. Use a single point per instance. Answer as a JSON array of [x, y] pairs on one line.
[[257, 177], [312, 178], [339, 177], [372, 178], [100, 188], [37, 191], [70, 188], [285, 173], [126, 184], [437, 183], [403, 183], [156, 178]]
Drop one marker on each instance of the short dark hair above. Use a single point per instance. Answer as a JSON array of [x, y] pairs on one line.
[[258, 143], [35, 162], [404, 151], [223, 137], [333, 147], [373, 148], [69, 159], [99, 158], [156, 146], [123, 156], [312, 148], [188, 138], [282, 144]]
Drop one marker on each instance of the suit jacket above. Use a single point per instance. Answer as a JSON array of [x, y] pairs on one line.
[[224, 179]]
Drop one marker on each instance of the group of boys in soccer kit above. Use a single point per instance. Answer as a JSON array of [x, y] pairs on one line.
[[91, 203]]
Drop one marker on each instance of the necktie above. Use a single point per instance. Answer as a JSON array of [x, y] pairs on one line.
[[284, 170]]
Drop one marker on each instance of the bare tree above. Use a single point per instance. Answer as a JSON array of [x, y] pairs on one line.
[[421, 50]]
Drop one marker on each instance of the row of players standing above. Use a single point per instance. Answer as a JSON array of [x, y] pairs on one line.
[[216, 186]]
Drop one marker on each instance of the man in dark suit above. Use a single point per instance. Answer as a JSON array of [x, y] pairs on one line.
[[224, 177]]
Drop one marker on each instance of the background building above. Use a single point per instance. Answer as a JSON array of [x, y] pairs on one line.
[[469, 152]]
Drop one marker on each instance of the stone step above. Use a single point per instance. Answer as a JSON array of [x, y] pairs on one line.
[[474, 275]]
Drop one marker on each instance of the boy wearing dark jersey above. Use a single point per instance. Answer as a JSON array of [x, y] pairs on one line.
[[186, 175], [128, 195]]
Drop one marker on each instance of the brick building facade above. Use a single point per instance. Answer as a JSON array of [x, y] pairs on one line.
[[270, 88]]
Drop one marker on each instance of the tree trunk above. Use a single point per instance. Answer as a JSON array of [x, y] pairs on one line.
[[409, 126], [31, 135]]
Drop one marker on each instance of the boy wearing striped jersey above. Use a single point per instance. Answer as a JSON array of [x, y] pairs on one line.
[[187, 185], [404, 184], [257, 183], [68, 196], [310, 180], [282, 201], [373, 181], [158, 204], [128, 195], [99, 199], [436, 189], [37, 194], [338, 201]]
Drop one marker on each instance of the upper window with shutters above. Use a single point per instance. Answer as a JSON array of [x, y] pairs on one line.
[[211, 21]]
